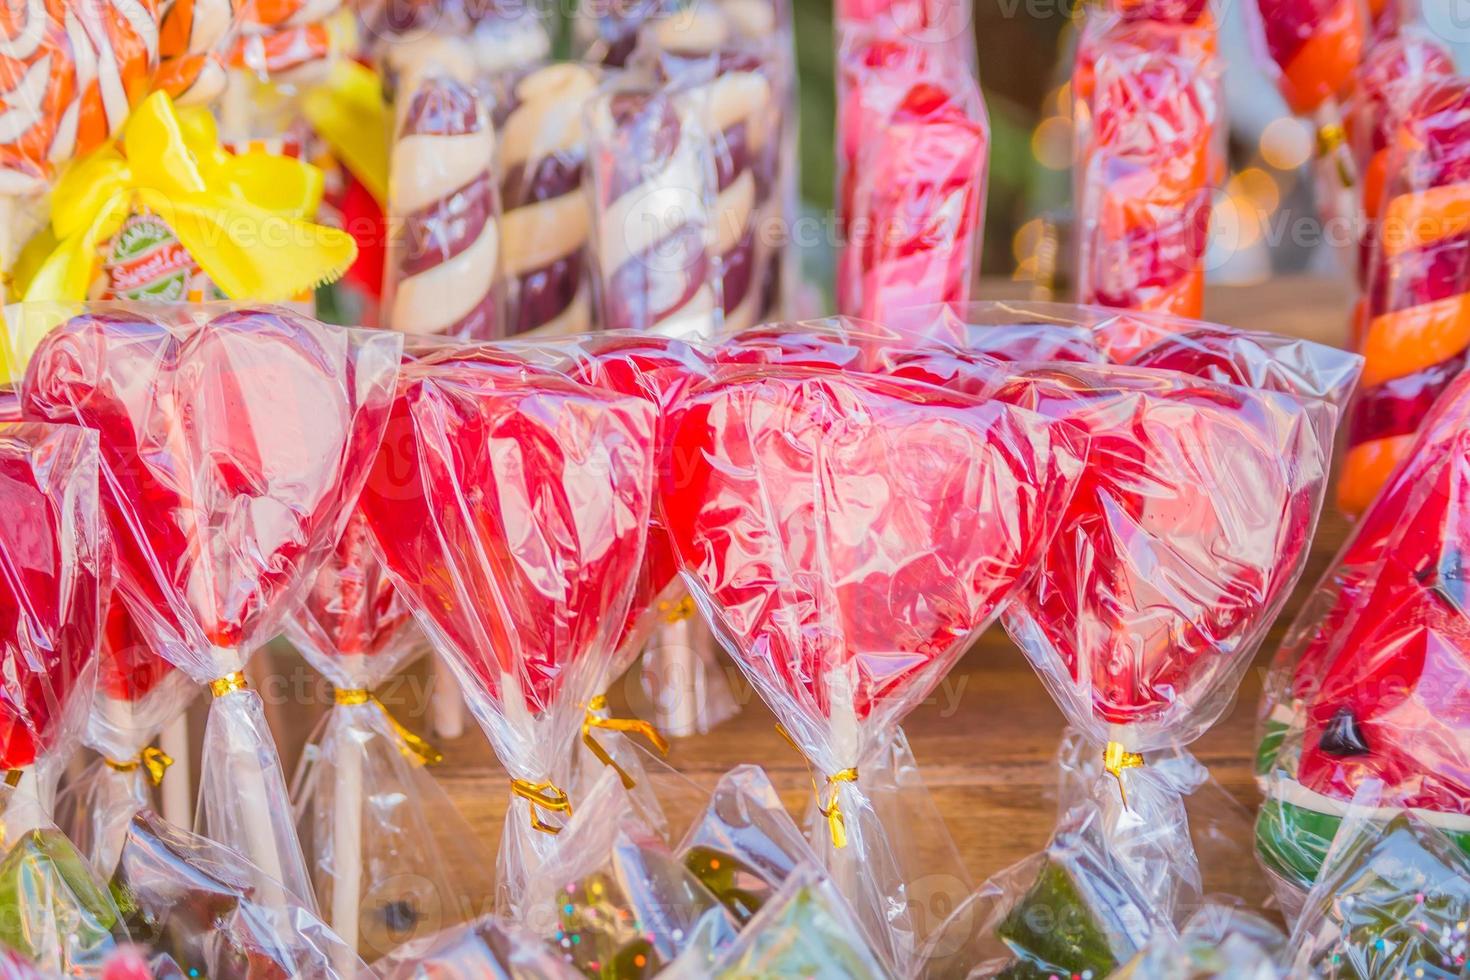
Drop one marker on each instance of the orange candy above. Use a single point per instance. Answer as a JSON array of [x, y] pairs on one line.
[[1399, 344], [1367, 468], [1323, 67]]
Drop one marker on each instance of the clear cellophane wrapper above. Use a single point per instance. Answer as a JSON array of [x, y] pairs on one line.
[[1147, 155], [138, 694], [605, 32], [194, 40], [1367, 690], [1219, 942], [54, 557], [292, 43], [916, 143], [1412, 336], [948, 24], [463, 39], [444, 271], [546, 216], [201, 907], [488, 946], [801, 596], [653, 184], [391, 857], [233, 441], [510, 507], [1393, 899]]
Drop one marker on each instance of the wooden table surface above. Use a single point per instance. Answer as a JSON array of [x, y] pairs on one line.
[[987, 742]]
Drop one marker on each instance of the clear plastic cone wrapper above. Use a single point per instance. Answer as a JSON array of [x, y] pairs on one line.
[[846, 605], [1393, 899], [233, 441], [488, 946], [54, 555], [199, 908], [389, 855], [682, 673], [138, 694], [1148, 108], [1413, 337], [444, 272], [653, 187], [1366, 692], [510, 507]]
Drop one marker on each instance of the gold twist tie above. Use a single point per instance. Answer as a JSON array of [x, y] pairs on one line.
[[1116, 758], [153, 760], [229, 684], [414, 747], [13, 777], [542, 796], [596, 718], [1332, 137], [831, 808], [676, 611]]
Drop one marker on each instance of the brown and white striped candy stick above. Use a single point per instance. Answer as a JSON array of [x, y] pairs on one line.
[[546, 217], [653, 235], [730, 81], [443, 272]]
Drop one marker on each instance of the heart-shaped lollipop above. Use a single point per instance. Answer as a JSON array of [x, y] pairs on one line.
[[851, 532], [510, 505], [51, 580], [352, 609]]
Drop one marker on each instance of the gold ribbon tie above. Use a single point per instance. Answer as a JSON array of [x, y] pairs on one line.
[[1117, 758], [414, 747], [831, 807], [1332, 137], [542, 796], [677, 610], [229, 684], [596, 717], [152, 760]]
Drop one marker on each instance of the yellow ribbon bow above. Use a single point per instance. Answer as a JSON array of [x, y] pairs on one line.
[[153, 760], [243, 218], [677, 610], [831, 808], [413, 746], [542, 796], [595, 718], [1116, 758], [351, 116]]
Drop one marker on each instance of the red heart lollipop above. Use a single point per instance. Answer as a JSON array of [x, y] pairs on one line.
[[853, 533], [352, 609], [51, 580], [129, 669], [231, 450], [511, 505]]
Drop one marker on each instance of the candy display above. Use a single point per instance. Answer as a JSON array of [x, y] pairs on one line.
[[290, 41], [772, 582], [529, 631], [1366, 687], [1414, 339], [488, 944], [386, 848], [1315, 46], [200, 904], [461, 39], [1148, 125], [193, 409], [444, 271], [542, 155], [653, 191], [192, 36]]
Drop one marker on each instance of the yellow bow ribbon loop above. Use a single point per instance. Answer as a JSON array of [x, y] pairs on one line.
[[596, 717], [1117, 758], [352, 117], [542, 796], [241, 218], [152, 760], [414, 746], [677, 611], [229, 684], [831, 808]]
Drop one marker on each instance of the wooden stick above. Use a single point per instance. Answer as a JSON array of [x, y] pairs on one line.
[[177, 789], [447, 703], [348, 753]]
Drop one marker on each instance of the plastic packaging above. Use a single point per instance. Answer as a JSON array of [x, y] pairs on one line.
[[653, 186], [1394, 900], [487, 946], [138, 694], [292, 42], [201, 906], [830, 604], [70, 75], [444, 270], [1217, 942], [510, 507], [1367, 688], [233, 441], [1148, 110], [390, 855], [1414, 338], [192, 47], [542, 154], [461, 39], [53, 574]]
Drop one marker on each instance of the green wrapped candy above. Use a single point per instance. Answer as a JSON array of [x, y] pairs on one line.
[[55, 912], [804, 932], [738, 887]]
